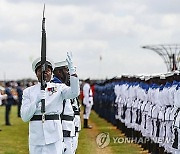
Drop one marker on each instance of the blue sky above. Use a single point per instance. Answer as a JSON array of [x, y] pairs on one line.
[[113, 29]]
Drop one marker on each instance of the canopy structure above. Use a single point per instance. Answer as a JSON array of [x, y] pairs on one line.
[[170, 53]]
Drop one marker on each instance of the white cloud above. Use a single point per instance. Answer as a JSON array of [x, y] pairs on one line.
[[115, 30]]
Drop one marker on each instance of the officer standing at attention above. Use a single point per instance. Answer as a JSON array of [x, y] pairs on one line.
[[87, 101], [71, 110], [9, 103], [45, 137], [19, 93], [61, 75]]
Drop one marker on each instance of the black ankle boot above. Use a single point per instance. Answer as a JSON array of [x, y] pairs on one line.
[[85, 123]]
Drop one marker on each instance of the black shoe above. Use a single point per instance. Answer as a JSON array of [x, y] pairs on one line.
[[89, 127], [85, 123], [0, 129], [8, 125]]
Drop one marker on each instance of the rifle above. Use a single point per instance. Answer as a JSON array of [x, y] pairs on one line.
[[43, 64]]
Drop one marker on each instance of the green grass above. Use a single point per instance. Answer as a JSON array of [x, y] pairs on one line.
[[88, 143], [124, 148], [13, 139]]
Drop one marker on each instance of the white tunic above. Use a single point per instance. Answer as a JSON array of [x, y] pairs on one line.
[[87, 92], [67, 124], [51, 130]]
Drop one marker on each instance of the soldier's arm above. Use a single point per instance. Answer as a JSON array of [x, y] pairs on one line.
[[73, 91], [28, 107]]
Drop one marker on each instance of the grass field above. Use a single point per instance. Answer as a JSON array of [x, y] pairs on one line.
[[87, 139], [14, 139]]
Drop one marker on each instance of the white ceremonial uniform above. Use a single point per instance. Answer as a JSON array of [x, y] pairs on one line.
[[126, 99], [68, 127], [119, 102], [123, 102], [77, 123], [68, 124], [128, 105], [147, 108], [143, 113], [87, 100], [133, 98], [168, 119], [176, 118], [161, 117], [135, 107], [177, 126], [117, 91], [139, 106], [46, 136], [155, 114], [165, 101]]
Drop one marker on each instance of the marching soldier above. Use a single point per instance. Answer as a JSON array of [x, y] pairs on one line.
[[61, 75], [46, 136], [9, 102], [87, 101], [77, 122]]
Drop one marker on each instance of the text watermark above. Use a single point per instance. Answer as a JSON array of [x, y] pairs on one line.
[[104, 139]]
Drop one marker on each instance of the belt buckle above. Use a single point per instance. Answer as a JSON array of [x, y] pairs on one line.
[[43, 117]]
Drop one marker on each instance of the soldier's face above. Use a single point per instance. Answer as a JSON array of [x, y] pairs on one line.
[[65, 75], [47, 74]]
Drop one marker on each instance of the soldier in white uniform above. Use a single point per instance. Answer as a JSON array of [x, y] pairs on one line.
[[46, 137], [176, 124], [61, 75], [77, 122], [87, 101]]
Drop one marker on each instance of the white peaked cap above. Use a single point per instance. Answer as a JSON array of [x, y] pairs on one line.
[[177, 72], [142, 77], [162, 76], [61, 64], [147, 78], [38, 60]]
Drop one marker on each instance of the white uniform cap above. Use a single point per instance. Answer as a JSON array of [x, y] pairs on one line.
[[38, 60], [61, 64], [176, 72], [169, 74], [147, 78], [162, 76], [142, 77]]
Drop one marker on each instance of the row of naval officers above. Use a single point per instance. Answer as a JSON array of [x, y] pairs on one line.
[[147, 110]]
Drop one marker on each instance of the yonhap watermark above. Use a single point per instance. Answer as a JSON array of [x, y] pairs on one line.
[[104, 139], [140, 140]]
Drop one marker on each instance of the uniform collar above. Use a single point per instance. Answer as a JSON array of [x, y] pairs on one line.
[[56, 80]]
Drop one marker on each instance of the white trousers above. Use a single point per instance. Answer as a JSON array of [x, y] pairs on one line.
[[87, 111], [53, 148], [68, 141], [75, 142]]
